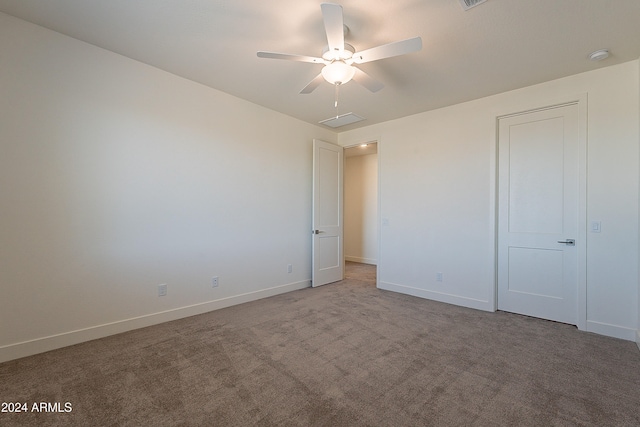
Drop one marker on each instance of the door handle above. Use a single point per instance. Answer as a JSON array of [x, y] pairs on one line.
[[568, 242], [317, 231]]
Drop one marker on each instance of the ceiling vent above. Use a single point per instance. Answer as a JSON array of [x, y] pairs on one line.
[[468, 4], [341, 120]]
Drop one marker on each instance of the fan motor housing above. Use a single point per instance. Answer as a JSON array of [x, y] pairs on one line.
[[332, 55]]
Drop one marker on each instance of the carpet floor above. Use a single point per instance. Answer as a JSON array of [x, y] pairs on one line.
[[345, 354]]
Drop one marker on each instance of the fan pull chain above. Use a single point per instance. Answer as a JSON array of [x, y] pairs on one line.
[[336, 97]]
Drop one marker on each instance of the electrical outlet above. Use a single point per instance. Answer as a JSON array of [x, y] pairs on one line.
[[439, 276], [162, 290], [289, 268], [214, 282]]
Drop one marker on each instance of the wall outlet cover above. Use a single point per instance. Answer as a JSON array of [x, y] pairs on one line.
[[162, 290]]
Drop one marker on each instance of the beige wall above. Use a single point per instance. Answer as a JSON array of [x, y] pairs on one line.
[[437, 194], [361, 208], [116, 177]]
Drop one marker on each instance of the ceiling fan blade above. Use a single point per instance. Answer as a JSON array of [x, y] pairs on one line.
[[366, 80], [313, 84], [388, 50], [290, 57], [333, 25]]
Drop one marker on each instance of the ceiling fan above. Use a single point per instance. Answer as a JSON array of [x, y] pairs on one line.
[[339, 57]]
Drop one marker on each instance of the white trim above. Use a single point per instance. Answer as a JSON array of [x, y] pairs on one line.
[[379, 207], [361, 260], [52, 342], [493, 209], [638, 339], [609, 330], [437, 296], [583, 118]]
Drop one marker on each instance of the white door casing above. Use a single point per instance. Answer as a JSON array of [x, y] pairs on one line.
[[327, 222], [539, 186]]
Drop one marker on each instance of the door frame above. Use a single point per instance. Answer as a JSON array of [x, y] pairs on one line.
[[581, 238], [376, 141]]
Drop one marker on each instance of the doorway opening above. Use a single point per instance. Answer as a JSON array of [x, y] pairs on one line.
[[363, 273], [361, 204]]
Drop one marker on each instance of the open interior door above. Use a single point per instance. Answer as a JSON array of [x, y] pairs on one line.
[[328, 261]]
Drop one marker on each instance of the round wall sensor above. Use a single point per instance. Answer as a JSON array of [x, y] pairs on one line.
[[599, 55]]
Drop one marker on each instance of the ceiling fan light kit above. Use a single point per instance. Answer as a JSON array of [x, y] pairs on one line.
[[338, 72], [339, 56]]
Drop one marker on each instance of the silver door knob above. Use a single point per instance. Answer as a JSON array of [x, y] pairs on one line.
[[317, 231]]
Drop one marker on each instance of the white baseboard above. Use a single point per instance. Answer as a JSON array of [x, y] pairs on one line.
[[40, 345], [361, 260], [437, 296], [614, 331]]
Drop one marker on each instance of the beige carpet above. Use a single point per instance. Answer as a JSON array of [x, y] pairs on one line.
[[345, 354]]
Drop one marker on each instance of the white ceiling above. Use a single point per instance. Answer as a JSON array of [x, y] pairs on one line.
[[497, 46]]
